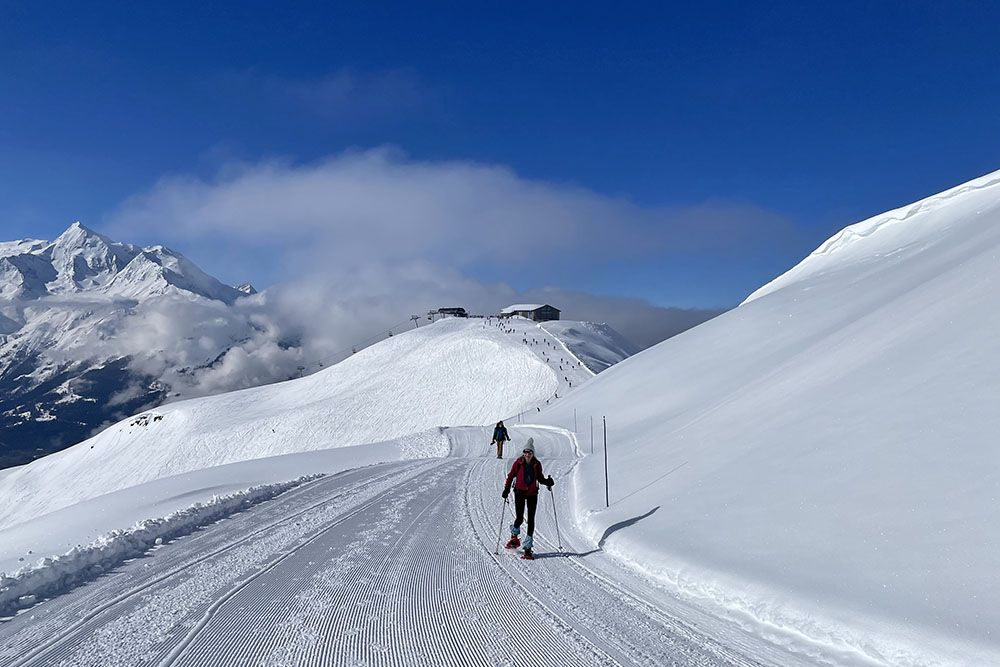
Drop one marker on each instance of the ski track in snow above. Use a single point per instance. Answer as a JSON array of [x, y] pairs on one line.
[[388, 565]]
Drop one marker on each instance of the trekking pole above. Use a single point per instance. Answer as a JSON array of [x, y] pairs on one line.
[[555, 516], [503, 513]]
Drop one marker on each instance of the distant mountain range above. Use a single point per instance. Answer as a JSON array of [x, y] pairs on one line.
[[61, 306]]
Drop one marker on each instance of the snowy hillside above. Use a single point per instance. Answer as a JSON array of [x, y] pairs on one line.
[[62, 305], [453, 372], [598, 346], [824, 458]]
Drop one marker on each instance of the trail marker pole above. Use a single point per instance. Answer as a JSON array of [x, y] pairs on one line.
[[574, 420], [591, 434], [607, 494]]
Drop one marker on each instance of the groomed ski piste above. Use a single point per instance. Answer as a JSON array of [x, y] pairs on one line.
[[808, 479]]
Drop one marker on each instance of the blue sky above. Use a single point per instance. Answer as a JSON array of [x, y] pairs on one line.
[[789, 119]]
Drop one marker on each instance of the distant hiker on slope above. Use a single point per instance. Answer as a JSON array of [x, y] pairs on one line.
[[526, 474], [499, 436]]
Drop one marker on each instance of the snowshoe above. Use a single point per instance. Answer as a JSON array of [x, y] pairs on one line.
[[514, 542], [528, 555]]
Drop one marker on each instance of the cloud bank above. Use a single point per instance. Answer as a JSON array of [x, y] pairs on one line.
[[377, 206], [365, 239], [200, 347]]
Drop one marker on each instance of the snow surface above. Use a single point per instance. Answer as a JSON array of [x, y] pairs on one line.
[[598, 346], [825, 455], [520, 307], [94, 521], [52, 576], [453, 372], [395, 564]]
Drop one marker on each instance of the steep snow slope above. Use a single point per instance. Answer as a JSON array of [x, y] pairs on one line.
[[825, 455], [598, 346], [453, 372]]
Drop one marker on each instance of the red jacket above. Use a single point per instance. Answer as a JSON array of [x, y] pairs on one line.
[[523, 474]]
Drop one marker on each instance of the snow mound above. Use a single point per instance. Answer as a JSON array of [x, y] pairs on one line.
[[825, 454], [453, 372]]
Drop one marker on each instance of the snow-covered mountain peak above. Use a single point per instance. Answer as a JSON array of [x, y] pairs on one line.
[[79, 236], [62, 305], [82, 260]]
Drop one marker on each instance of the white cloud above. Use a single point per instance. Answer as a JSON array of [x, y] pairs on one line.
[[303, 326], [378, 206]]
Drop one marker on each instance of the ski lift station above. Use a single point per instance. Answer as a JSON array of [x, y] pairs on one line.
[[533, 311]]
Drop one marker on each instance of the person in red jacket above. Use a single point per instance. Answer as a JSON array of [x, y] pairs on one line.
[[526, 475]]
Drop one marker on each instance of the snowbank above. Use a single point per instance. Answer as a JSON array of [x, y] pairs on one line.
[[91, 538], [51, 576], [85, 522], [823, 458]]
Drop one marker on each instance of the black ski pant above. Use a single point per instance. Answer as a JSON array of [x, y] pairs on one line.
[[520, 500]]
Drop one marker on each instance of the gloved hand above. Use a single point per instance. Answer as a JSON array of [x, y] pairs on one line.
[[549, 482], [505, 494]]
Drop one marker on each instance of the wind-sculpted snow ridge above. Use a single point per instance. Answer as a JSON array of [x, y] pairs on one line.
[[54, 575], [883, 235], [827, 450]]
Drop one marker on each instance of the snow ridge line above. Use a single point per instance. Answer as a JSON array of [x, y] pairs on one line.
[[870, 226], [566, 347], [55, 575]]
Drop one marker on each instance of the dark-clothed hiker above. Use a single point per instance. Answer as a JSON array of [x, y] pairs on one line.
[[526, 475], [499, 436]]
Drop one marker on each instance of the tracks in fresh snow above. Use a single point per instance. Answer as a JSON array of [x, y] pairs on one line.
[[389, 565], [131, 615]]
